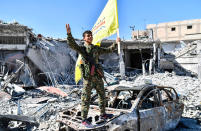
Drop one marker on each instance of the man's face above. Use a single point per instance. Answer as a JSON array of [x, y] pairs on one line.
[[88, 38]]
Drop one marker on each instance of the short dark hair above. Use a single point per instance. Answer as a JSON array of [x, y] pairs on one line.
[[86, 32]]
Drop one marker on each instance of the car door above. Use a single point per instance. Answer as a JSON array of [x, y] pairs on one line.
[[151, 113], [173, 108]]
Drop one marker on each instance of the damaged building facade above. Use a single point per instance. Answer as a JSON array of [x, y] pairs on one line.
[[180, 44], [44, 60], [140, 56], [14, 40]]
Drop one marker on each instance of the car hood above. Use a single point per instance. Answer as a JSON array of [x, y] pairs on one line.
[[72, 117]]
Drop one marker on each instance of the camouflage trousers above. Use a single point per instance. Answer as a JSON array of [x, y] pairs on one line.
[[88, 85]]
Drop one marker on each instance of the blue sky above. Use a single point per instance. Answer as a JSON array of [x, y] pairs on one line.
[[49, 17]]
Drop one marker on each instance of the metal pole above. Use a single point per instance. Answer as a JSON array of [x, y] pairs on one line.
[[121, 62], [119, 46]]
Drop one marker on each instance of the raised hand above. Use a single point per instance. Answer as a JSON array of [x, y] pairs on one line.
[[68, 29]]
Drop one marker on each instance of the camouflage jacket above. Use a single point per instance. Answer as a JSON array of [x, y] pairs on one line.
[[90, 51]]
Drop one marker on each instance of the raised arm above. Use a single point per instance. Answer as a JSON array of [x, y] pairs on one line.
[[71, 40], [110, 49]]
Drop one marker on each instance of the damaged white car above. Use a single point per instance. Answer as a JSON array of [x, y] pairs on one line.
[[137, 108]]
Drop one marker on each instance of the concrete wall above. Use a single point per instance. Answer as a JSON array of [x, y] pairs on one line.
[[139, 34], [170, 47], [176, 31], [13, 37]]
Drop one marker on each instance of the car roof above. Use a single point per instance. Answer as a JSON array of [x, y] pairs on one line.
[[127, 87]]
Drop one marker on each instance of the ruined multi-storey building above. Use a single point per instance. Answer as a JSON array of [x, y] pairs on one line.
[[178, 40], [187, 30], [14, 38], [44, 59]]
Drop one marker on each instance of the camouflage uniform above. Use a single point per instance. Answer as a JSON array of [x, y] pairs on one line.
[[91, 81]]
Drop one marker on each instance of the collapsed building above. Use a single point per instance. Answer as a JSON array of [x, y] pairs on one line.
[[45, 60]]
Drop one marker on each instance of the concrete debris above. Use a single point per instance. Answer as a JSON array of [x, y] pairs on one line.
[[4, 96], [36, 100], [9, 78], [40, 111], [110, 79], [14, 90], [183, 60], [41, 106], [49, 57], [5, 119]]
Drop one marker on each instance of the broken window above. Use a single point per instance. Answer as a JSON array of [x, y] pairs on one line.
[[136, 57], [173, 29], [120, 99], [12, 40], [150, 100], [189, 27], [167, 95]]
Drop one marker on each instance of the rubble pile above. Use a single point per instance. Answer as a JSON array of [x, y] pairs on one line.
[[39, 106], [54, 59], [186, 48], [17, 27], [189, 89], [184, 59], [46, 61], [44, 105]]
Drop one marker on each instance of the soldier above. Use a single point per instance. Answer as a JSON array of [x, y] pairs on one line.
[[91, 71]]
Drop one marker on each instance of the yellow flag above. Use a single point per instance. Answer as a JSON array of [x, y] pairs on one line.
[[106, 25], [78, 73]]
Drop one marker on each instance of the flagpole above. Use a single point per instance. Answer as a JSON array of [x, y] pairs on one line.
[[118, 36], [119, 46], [121, 61]]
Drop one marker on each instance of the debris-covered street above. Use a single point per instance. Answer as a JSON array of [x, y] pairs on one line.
[[42, 108]]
